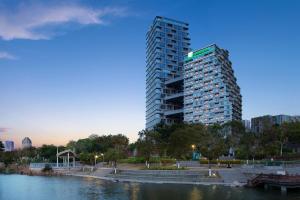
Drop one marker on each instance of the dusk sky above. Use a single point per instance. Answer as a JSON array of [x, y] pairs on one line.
[[70, 69]]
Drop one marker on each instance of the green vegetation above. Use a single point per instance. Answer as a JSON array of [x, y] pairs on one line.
[[213, 141], [166, 144], [1, 146], [113, 147], [133, 160]]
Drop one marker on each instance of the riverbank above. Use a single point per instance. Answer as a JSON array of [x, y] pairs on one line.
[[150, 181], [190, 176], [237, 176], [25, 170]]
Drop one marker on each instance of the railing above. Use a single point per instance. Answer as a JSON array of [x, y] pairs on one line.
[[172, 112], [173, 80], [276, 180], [270, 164], [174, 95], [54, 165]]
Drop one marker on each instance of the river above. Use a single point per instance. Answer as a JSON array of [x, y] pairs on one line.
[[21, 187]]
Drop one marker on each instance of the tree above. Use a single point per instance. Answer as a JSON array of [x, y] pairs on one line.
[[146, 143], [248, 146], [8, 158], [212, 144], [183, 138], [235, 131], [48, 152], [113, 155], [87, 158], [1, 146]]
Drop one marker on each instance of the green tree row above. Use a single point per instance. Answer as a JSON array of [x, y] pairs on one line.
[[213, 141]]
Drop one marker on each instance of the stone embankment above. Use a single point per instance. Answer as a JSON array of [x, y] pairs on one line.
[[166, 176], [237, 176]]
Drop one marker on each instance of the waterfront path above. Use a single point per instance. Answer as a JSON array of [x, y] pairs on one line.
[[236, 176]]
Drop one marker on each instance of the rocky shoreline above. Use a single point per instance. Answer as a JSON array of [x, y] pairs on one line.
[[25, 170]]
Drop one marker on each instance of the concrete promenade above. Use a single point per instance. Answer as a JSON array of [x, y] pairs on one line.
[[236, 176]]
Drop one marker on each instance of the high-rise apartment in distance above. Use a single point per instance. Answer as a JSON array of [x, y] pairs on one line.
[[9, 145], [211, 93], [262, 123], [167, 42]]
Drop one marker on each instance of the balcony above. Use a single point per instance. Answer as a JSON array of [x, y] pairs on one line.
[[174, 96], [175, 80], [173, 112]]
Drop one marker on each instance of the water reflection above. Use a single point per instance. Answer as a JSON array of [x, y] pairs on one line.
[[135, 191], [196, 194], [15, 187]]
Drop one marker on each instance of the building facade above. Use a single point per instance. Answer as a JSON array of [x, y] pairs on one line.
[[26, 143], [9, 145], [247, 124], [262, 123], [167, 42], [211, 93]]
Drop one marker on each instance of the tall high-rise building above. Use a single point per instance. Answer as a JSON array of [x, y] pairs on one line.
[[211, 93], [26, 143], [9, 145], [167, 42]]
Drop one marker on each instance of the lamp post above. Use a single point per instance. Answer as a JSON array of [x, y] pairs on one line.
[[96, 156], [193, 147], [102, 154], [209, 169]]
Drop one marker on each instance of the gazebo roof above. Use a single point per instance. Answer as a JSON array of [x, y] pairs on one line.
[[65, 153]]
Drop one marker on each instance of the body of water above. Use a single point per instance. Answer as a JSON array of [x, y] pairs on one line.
[[18, 187]]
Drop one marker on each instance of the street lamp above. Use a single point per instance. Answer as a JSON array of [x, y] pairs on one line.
[[193, 147], [96, 156], [209, 168], [193, 154], [102, 154]]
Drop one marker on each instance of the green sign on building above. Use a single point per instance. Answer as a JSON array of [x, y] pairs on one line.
[[192, 55]]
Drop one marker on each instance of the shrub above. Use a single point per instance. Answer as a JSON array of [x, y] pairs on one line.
[[133, 160], [154, 160], [47, 168], [168, 161]]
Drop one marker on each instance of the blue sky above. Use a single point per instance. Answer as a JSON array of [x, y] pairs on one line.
[[73, 68]]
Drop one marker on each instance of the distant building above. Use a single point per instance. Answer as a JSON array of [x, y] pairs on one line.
[[8, 145], [26, 143], [259, 124], [247, 125]]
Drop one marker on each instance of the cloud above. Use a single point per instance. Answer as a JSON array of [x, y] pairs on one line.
[[3, 130], [28, 21], [8, 56]]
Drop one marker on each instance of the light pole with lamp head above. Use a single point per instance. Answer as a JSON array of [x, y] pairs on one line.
[[96, 156], [102, 154], [193, 154]]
